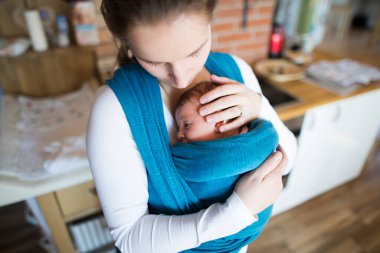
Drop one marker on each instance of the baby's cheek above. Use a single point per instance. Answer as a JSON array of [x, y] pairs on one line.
[[203, 132]]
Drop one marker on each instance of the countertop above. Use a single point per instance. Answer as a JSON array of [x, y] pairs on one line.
[[311, 95], [13, 190]]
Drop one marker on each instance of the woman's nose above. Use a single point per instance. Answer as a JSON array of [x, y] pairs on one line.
[[179, 74]]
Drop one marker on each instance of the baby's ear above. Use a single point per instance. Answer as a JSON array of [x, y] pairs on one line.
[[218, 125]]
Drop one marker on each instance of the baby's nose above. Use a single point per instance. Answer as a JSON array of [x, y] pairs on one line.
[[180, 136]]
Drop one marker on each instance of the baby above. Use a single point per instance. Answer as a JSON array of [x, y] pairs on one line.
[[191, 125], [210, 169]]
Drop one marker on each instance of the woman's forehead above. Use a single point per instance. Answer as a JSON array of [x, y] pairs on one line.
[[170, 41]]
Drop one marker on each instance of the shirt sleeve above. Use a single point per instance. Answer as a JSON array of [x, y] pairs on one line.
[[121, 181], [286, 137]]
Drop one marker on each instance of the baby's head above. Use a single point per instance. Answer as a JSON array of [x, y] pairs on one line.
[[191, 125]]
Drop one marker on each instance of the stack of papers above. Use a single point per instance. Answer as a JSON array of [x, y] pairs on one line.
[[342, 76]]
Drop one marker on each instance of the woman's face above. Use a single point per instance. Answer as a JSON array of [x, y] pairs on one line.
[[173, 51]]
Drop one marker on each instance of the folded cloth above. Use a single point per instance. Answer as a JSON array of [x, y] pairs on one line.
[[169, 191]]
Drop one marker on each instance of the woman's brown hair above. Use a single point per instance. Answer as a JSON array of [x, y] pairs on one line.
[[121, 15]]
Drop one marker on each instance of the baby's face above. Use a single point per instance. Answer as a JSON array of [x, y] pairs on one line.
[[191, 125]]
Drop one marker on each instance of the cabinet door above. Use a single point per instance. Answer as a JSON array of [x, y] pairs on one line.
[[334, 143]]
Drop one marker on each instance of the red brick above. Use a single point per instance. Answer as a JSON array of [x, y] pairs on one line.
[[259, 22], [262, 34], [267, 3], [265, 10], [224, 50], [229, 5], [223, 2], [222, 27], [251, 46], [228, 13], [234, 37]]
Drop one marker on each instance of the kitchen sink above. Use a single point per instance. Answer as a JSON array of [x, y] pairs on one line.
[[276, 96]]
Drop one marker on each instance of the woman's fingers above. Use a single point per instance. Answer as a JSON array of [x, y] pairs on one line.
[[224, 115], [260, 188], [270, 164], [236, 123], [220, 104], [240, 104], [221, 91], [221, 79], [278, 171]]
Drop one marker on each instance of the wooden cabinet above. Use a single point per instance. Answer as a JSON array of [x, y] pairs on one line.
[[334, 143], [61, 207], [78, 201]]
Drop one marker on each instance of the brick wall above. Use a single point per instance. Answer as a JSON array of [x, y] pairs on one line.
[[250, 43]]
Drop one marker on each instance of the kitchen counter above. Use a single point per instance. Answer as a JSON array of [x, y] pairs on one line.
[[13, 190], [311, 95]]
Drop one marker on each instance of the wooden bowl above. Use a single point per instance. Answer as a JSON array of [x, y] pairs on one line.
[[278, 70]]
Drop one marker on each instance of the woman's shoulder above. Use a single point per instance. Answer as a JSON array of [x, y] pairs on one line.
[[105, 99], [243, 65], [247, 73], [107, 111]]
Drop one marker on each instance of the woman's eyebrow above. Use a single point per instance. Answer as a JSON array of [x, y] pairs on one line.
[[199, 48]]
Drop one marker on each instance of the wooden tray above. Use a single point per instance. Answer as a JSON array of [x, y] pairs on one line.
[[278, 70]]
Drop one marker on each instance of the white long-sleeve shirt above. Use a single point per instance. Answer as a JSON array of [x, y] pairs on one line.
[[121, 181]]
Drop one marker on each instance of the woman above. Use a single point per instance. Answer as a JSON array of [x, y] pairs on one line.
[[171, 40]]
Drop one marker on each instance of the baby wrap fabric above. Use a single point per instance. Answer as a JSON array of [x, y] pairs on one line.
[[183, 190]]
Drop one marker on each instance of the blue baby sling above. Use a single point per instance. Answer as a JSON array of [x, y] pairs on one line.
[[188, 177]]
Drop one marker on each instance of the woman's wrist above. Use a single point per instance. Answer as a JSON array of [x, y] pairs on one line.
[[242, 209], [258, 106]]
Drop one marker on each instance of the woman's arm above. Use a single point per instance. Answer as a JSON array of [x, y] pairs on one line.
[[286, 138], [121, 183]]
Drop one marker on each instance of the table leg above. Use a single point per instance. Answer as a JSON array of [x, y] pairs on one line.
[[52, 213]]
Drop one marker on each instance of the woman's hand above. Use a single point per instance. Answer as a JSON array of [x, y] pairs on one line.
[[231, 100], [260, 188]]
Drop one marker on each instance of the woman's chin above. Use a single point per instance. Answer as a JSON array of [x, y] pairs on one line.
[[178, 86]]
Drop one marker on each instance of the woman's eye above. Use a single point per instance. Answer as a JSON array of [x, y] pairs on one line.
[[152, 64], [196, 54]]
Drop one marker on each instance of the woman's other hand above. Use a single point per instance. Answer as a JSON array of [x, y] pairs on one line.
[[231, 100], [260, 188]]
